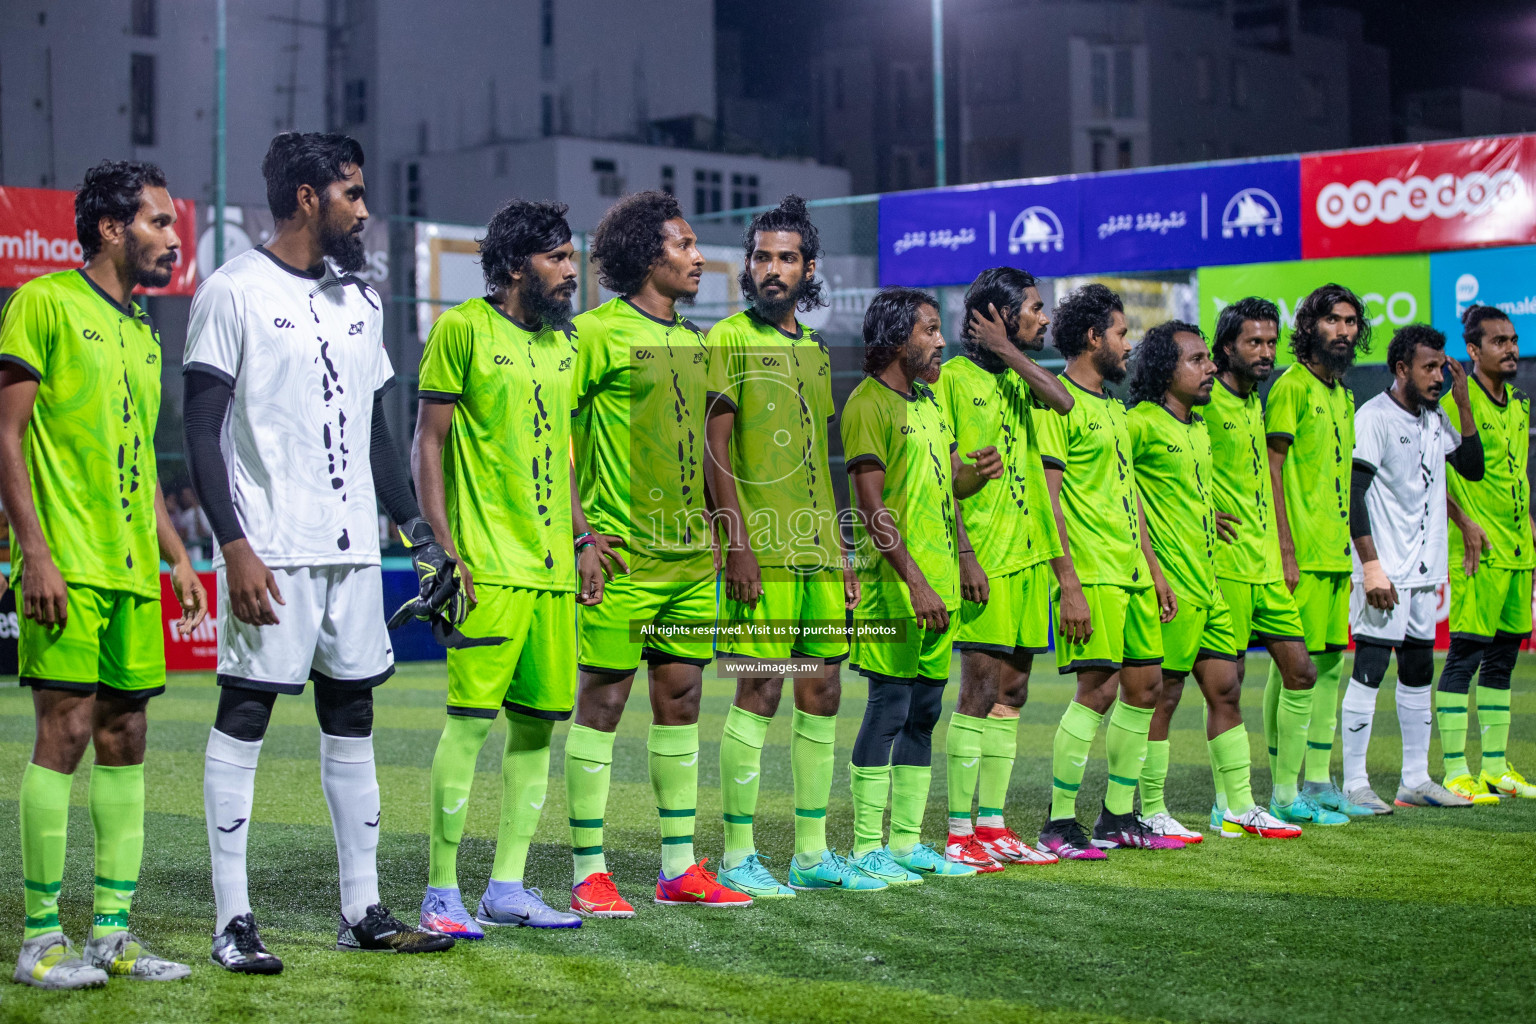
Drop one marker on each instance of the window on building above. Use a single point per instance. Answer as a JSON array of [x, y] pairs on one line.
[[1205, 78], [355, 101], [142, 20], [707, 191], [546, 115], [141, 98], [1123, 155], [414, 207], [1098, 157], [547, 22], [669, 179], [743, 191], [1098, 83], [609, 182], [1125, 83]]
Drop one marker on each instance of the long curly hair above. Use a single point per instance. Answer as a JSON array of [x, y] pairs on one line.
[[1156, 357], [1090, 308], [1003, 287], [113, 188], [627, 242], [1318, 305], [790, 215], [888, 325], [519, 231]]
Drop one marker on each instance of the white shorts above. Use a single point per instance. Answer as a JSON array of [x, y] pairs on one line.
[[1412, 618], [330, 628]]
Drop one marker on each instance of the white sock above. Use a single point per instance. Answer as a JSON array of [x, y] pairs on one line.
[[989, 821], [352, 793], [1357, 711], [229, 784], [1414, 719], [960, 826]]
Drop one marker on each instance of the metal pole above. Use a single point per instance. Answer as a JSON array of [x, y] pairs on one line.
[[940, 175], [218, 134]]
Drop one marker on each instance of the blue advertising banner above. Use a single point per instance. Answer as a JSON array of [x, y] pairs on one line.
[[1182, 218], [1505, 278]]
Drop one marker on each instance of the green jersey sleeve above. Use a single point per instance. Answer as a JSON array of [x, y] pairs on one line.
[[866, 433], [446, 358], [1283, 413], [594, 358], [27, 325], [1051, 434]]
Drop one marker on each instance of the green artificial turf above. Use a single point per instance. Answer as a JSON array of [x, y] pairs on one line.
[[1429, 915]]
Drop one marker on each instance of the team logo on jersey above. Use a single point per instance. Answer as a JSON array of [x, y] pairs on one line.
[[90, 335], [698, 357], [1175, 449], [282, 322], [1403, 440], [151, 359], [644, 353], [980, 403], [565, 364], [356, 328], [1228, 426], [767, 361], [502, 360], [906, 429], [1095, 426]]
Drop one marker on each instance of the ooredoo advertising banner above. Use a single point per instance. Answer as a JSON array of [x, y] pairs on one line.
[[1505, 278], [1173, 219], [1395, 290], [37, 237], [1450, 195]]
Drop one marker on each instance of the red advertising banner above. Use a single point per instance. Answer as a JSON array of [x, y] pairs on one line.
[[200, 651], [37, 237], [1451, 195]]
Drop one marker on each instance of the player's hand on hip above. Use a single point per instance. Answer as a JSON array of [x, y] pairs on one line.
[[1076, 620], [192, 595], [1226, 526], [250, 582], [743, 578], [974, 586], [928, 608], [988, 463], [589, 574], [44, 594]]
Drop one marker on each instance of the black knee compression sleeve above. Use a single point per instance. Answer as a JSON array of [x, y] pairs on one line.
[[344, 712], [1461, 661], [1416, 664], [914, 744], [1499, 663], [244, 714], [1371, 661], [884, 715]]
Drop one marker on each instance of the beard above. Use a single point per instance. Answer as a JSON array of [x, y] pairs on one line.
[[155, 274], [549, 307], [1110, 368], [774, 310], [1334, 364], [919, 364], [1257, 371], [343, 248], [1416, 399]]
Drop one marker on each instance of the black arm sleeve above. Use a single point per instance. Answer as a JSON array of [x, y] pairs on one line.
[[391, 482], [1467, 459], [1359, 483], [207, 399]]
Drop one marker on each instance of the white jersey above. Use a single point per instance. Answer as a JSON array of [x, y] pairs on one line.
[[305, 356], [1406, 500]]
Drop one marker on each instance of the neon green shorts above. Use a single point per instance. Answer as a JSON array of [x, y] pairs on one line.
[[524, 660], [658, 621], [887, 644], [1492, 603], [1261, 612], [111, 639], [1016, 618], [1322, 598], [799, 613], [1126, 630], [1197, 633]]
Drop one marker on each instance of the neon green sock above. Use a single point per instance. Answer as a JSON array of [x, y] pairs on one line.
[[1493, 720], [871, 787], [588, 769], [811, 746], [1324, 720], [1273, 684], [999, 747], [962, 743], [1210, 749], [524, 785], [1231, 760], [741, 762], [909, 799], [1069, 757], [1154, 774], [1126, 746], [1291, 736], [44, 807], [117, 818], [453, 775], [674, 761], [1451, 715]]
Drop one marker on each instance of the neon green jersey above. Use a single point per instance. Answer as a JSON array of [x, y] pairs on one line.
[[1003, 520], [1319, 421], [507, 457], [1501, 501], [1092, 448], [1240, 458], [639, 429], [907, 435], [90, 446], [1174, 477], [780, 387]]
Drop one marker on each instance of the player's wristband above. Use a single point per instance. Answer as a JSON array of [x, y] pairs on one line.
[[417, 532], [1375, 576], [584, 540]]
